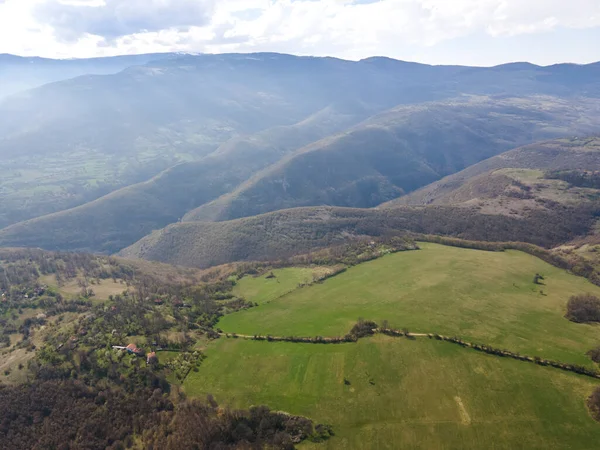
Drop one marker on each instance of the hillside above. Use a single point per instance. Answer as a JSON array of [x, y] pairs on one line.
[[122, 217], [288, 232], [19, 73], [377, 160], [401, 150], [493, 178], [420, 392], [69, 143], [453, 351]]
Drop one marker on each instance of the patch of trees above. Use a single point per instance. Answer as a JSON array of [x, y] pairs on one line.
[[69, 414], [198, 425], [583, 308], [184, 363], [578, 178], [356, 251], [24, 266], [363, 328], [594, 354]]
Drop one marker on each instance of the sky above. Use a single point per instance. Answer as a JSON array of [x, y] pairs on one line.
[[470, 32]]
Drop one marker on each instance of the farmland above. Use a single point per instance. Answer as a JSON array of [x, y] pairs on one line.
[[485, 297], [421, 394], [384, 392]]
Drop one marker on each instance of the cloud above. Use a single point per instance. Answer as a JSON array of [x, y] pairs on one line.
[[345, 28], [112, 19]]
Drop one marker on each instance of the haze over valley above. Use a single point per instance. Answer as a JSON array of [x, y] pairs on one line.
[[299, 224]]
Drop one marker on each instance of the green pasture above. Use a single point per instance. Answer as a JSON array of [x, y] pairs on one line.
[[484, 297], [392, 393]]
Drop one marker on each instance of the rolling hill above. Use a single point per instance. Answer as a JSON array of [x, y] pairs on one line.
[[285, 233], [421, 393], [491, 179], [122, 217], [399, 151]]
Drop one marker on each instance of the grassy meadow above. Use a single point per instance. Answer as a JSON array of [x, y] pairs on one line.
[[390, 393], [72, 289], [421, 394], [262, 289], [484, 297]]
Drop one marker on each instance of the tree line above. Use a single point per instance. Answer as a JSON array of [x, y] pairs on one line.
[[68, 414]]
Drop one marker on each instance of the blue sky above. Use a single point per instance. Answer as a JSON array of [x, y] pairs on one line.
[[473, 32]]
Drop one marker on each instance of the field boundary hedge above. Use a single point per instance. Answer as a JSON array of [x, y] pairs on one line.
[[484, 348]]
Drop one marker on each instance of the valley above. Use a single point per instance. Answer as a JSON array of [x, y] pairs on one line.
[[247, 251]]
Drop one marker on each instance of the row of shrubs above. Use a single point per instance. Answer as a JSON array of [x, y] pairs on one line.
[[508, 354], [304, 340], [364, 328]]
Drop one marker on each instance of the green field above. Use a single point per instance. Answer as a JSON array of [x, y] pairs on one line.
[[421, 394], [262, 289], [390, 393], [484, 297]]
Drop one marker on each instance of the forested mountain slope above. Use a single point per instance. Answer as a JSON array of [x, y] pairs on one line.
[[488, 178], [124, 216], [70, 143], [376, 161], [288, 232], [401, 150]]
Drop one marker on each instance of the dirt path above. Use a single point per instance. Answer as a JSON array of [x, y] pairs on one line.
[[464, 415]]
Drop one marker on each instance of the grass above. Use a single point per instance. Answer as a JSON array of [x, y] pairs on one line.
[[421, 394], [484, 297], [262, 289], [72, 289]]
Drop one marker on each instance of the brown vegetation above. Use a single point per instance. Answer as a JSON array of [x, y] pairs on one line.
[[583, 308], [292, 232], [594, 354], [70, 415], [594, 404]]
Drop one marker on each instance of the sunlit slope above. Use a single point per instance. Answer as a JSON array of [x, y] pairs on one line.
[[421, 394], [484, 297]]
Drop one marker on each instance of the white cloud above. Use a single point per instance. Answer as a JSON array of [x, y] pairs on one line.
[[345, 28], [112, 19]]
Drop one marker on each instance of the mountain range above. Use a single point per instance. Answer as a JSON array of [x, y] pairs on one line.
[[100, 161]]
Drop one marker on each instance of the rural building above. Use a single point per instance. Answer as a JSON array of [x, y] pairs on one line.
[[132, 348]]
